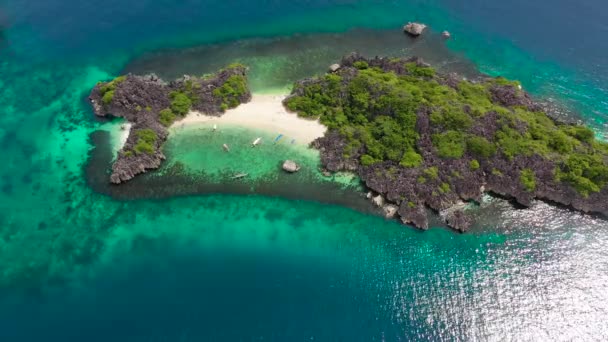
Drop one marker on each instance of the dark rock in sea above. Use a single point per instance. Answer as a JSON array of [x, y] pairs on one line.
[[414, 214], [458, 220], [151, 104], [414, 29]]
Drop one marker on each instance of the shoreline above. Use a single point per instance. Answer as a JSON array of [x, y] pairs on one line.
[[264, 112]]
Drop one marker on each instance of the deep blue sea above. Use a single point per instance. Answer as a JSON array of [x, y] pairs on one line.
[[77, 264]]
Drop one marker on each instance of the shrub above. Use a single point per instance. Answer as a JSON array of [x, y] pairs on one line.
[[474, 165], [107, 89], [480, 146], [108, 97], [146, 138], [444, 188], [585, 173], [180, 103], [231, 91], [528, 180], [496, 172], [143, 147], [367, 160], [419, 71], [411, 159], [449, 144], [432, 172], [147, 135], [166, 117], [361, 65]]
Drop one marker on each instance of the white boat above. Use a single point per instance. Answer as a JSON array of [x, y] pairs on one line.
[[239, 176], [256, 142], [214, 128], [226, 147]]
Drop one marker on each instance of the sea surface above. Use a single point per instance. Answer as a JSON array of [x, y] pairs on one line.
[[190, 260]]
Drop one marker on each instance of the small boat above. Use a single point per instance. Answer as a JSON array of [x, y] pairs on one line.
[[256, 142], [226, 147], [239, 176], [278, 138], [214, 127]]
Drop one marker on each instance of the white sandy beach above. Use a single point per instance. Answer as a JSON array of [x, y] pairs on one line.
[[264, 112]]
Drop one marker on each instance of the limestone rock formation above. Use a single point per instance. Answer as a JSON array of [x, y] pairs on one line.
[[291, 166], [414, 29]]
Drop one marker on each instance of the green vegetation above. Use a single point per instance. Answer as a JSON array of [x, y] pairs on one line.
[[444, 188], [411, 158], [474, 165], [107, 90], [528, 180], [419, 71], [480, 146], [146, 138], [432, 172], [586, 173], [166, 117], [361, 65], [231, 91], [180, 103], [376, 112], [449, 144]]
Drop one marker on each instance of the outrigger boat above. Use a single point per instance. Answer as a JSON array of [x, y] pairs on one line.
[[256, 142], [239, 176]]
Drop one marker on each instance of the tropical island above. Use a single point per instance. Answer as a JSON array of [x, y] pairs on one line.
[[417, 139]]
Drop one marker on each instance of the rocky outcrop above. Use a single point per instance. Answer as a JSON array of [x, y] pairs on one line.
[[140, 99], [414, 29], [334, 67], [291, 166], [458, 220], [390, 210]]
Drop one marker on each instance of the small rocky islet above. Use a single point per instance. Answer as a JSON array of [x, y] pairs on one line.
[[418, 139]]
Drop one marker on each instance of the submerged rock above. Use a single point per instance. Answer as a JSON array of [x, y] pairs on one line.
[[414, 29], [291, 166]]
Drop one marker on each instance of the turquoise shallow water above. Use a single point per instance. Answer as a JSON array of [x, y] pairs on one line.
[[78, 265]]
